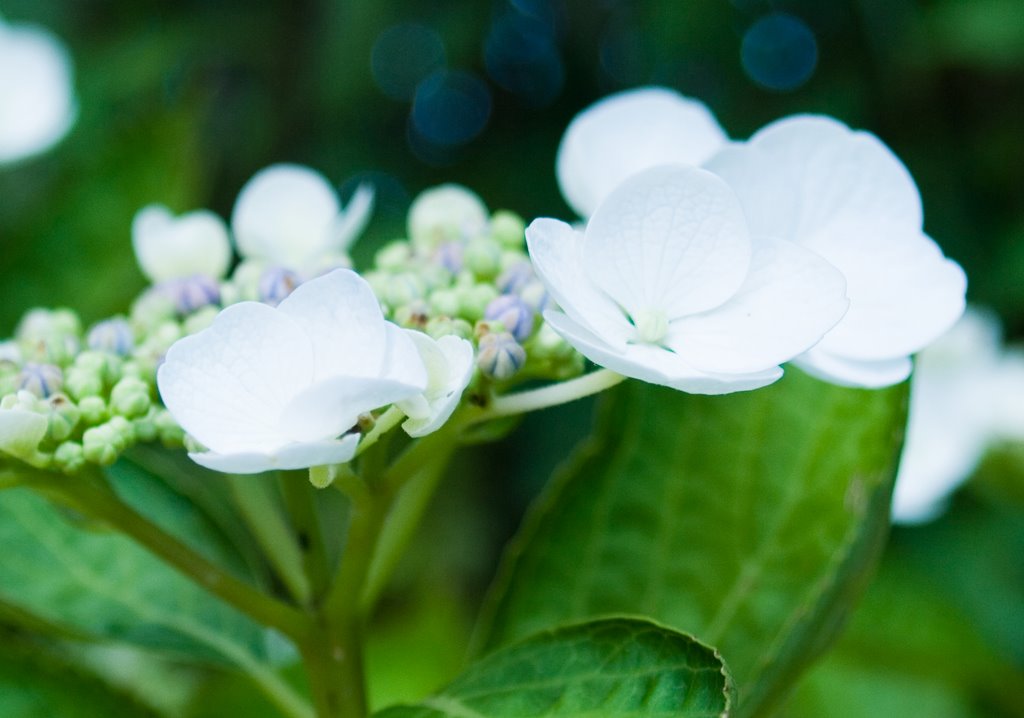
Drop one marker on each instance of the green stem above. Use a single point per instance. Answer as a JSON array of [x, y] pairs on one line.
[[262, 514], [95, 498], [385, 423], [551, 395], [409, 507], [300, 500]]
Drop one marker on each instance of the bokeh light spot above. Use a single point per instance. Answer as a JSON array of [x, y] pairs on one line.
[[521, 56], [779, 52], [402, 56], [451, 107]]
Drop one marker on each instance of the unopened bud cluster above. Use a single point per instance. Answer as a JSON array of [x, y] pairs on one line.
[[466, 272], [461, 271]]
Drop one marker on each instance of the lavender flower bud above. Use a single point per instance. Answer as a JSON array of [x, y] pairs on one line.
[[499, 356], [275, 284], [113, 336], [41, 379], [514, 314]]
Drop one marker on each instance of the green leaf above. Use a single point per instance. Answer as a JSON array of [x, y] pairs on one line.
[[37, 681], [612, 667], [749, 520], [105, 586]]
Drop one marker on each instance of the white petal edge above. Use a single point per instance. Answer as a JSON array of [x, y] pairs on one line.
[[670, 239], [556, 254], [655, 365], [354, 218], [342, 317], [285, 214], [449, 362], [790, 299], [854, 373], [228, 384], [903, 293], [290, 456], [629, 132]]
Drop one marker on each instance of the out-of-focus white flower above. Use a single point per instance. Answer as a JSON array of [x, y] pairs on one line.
[[666, 286], [845, 195], [280, 388], [37, 97], [449, 363], [290, 216], [447, 213], [626, 133], [22, 427], [169, 247], [966, 394]]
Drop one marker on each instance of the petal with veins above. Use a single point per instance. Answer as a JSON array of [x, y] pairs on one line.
[[627, 133]]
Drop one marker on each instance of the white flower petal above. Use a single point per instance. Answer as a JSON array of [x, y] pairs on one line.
[[449, 362], [228, 384], [903, 293], [402, 360], [330, 408], [353, 219], [767, 188], [287, 215], [671, 239], [790, 299], [21, 431], [173, 248], [342, 318], [842, 174], [656, 365], [854, 372], [629, 132], [556, 253], [290, 456], [38, 106]]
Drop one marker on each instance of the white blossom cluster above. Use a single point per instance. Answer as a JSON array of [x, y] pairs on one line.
[[706, 263], [700, 264]]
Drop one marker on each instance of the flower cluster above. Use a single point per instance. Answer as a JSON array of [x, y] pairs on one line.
[[708, 257]]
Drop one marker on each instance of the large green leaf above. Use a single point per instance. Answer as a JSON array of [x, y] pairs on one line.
[[747, 520], [612, 667], [103, 585]]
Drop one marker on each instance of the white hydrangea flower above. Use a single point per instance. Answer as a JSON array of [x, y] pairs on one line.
[[845, 195], [447, 213], [280, 388], [626, 133], [21, 427], [665, 285], [169, 247], [449, 363], [964, 393], [37, 97], [290, 216]]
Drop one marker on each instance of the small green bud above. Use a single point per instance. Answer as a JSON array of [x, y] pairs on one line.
[[413, 315], [201, 319], [443, 326], [64, 418], [99, 445], [394, 256], [482, 257], [150, 310], [130, 397], [473, 301], [146, 429], [81, 383], [93, 410], [508, 228], [445, 302], [404, 288], [69, 457], [445, 214], [171, 435]]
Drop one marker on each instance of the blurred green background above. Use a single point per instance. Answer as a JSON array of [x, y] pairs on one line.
[[182, 101]]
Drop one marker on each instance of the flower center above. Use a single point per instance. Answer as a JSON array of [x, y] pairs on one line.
[[651, 325]]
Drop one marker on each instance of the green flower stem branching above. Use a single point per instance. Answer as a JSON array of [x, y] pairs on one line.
[[385, 423], [548, 396], [261, 512]]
